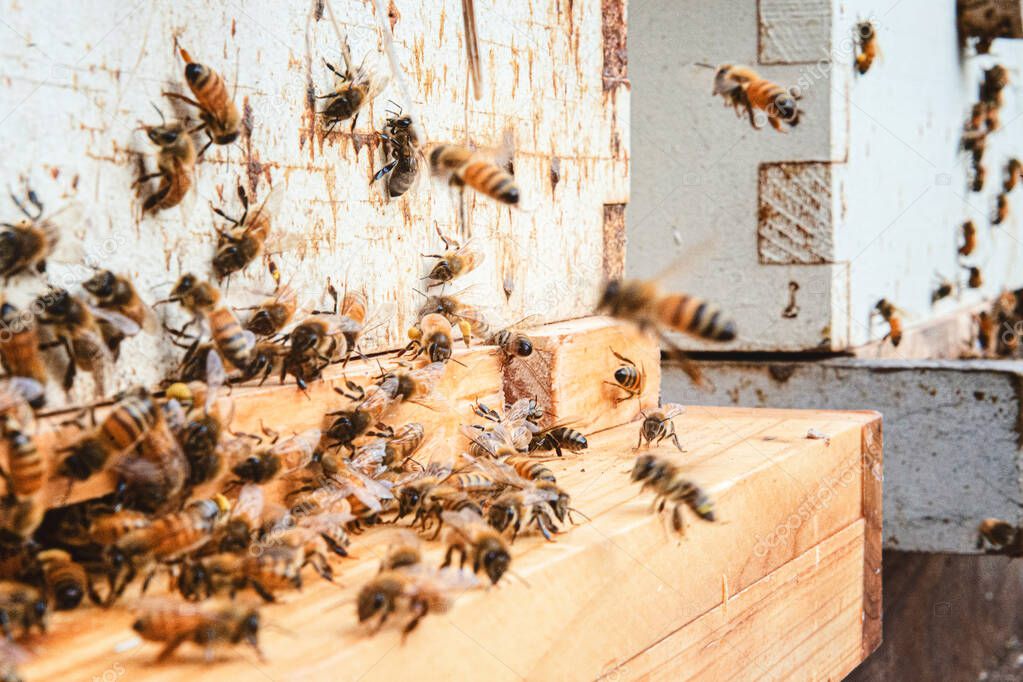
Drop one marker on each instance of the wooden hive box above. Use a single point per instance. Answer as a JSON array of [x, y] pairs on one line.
[[786, 582]]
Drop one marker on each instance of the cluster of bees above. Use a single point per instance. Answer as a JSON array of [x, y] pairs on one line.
[[192, 497]]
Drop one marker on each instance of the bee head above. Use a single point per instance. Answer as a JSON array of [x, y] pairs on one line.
[[786, 107], [248, 629], [865, 30], [376, 596], [408, 499], [55, 302], [163, 136], [101, 284], [501, 515], [523, 346], [495, 561], [184, 285]]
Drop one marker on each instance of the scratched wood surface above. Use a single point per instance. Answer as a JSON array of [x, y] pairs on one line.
[[76, 79], [616, 595]]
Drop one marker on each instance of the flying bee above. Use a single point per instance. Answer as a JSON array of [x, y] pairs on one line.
[[273, 314], [643, 303], [1013, 172], [244, 242], [474, 539], [218, 113], [558, 438], [867, 50], [66, 580], [1001, 210], [403, 169], [743, 88], [975, 279], [893, 316], [76, 327], [21, 606], [629, 377], [351, 92], [19, 346], [417, 590], [658, 425], [129, 420], [1003, 536], [207, 625], [204, 301], [281, 459], [979, 175], [464, 166], [995, 80], [668, 481], [969, 238], [454, 262], [116, 293], [431, 335], [26, 244], [175, 164]]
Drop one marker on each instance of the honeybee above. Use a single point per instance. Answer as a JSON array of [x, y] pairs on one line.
[[167, 538], [351, 92], [273, 314], [129, 420], [244, 242], [431, 335], [403, 551], [207, 625], [1013, 171], [454, 262], [530, 505], [530, 468], [995, 80], [629, 377], [349, 423], [19, 346], [20, 517], [357, 319], [425, 494], [503, 440], [975, 279], [403, 168], [416, 385], [658, 425], [514, 343], [943, 289], [643, 303], [464, 166], [892, 315], [154, 479], [390, 451], [116, 293], [175, 164], [107, 528], [470, 536], [322, 339], [77, 329], [742, 87], [21, 606], [274, 568], [244, 521], [281, 459], [203, 301], [669, 483], [415, 589], [969, 238], [979, 175], [986, 329], [65, 579], [1001, 210], [25, 245], [1003, 536], [867, 46], [26, 471], [218, 113], [559, 438]]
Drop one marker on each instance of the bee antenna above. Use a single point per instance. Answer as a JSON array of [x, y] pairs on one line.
[[163, 121], [704, 65]]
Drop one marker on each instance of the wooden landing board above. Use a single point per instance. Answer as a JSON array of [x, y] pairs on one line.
[[788, 547]]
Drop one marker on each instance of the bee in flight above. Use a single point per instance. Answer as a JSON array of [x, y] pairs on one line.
[[1004, 537], [217, 111], [743, 88], [667, 479], [891, 314], [417, 590], [465, 167], [645, 304], [174, 622]]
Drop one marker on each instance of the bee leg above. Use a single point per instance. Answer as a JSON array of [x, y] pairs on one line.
[[543, 527], [447, 556], [69, 373], [388, 610], [420, 609], [262, 591], [678, 522], [354, 120], [334, 545], [385, 170], [172, 645], [146, 178], [5, 625], [183, 98]]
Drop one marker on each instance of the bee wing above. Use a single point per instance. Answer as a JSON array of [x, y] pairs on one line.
[[153, 604], [498, 471], [267, 209], [463, 519], [536, 495], [61, 226], [527, 322], [482, 438], [216, 377], [378, 316], [174, 416], [125, 325], [471, 248], [249, 505], [452, 579], [368, 457], [672, 410], [326, 521], [372, 75], [13, 653], [16, 394], [429, 375]]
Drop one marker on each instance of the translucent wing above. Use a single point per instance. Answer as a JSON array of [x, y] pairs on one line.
[[216, 377], [249, 505], [267, 209], [125, 325], [428, 376], [672, 410]]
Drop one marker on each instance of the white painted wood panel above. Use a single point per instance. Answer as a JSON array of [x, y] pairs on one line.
[[76, 78]]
